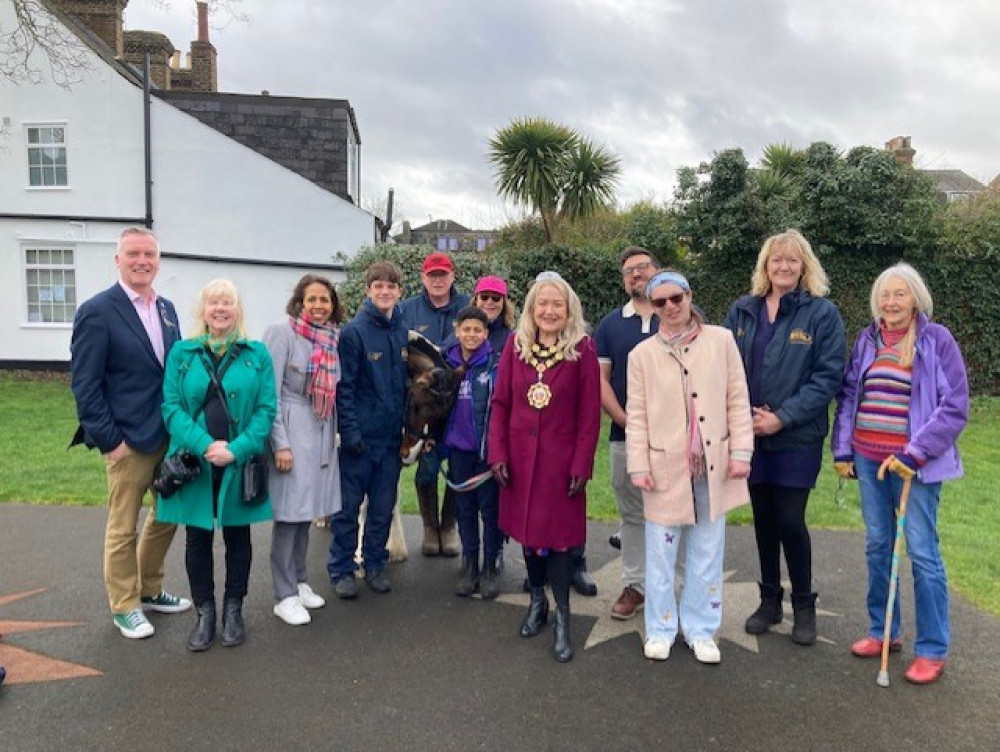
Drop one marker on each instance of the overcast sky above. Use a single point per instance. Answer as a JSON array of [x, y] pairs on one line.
[[661, 83]]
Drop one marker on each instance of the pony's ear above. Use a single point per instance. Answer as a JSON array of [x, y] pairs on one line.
[[422, 355]]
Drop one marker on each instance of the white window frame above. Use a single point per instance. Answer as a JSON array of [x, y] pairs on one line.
[[50, 293], [42, 145]]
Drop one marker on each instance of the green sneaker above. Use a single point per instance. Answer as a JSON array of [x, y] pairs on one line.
[[165, 603], [133, 624]]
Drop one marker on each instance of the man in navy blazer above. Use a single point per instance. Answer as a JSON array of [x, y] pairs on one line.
[[120, 341]]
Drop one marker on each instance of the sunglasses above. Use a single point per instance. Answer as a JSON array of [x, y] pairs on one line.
[[674, 300], [492, 297]]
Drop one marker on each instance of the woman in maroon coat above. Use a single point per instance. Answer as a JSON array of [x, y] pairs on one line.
[[546, 416]]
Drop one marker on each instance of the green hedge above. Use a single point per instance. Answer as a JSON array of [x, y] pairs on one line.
[[966, 294]]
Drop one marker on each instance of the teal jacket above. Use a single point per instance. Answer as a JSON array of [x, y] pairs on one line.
[[250, 396]]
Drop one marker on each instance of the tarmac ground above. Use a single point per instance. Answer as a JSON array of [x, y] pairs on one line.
[[421, 669]]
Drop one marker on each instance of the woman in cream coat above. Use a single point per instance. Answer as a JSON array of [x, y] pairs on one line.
[[689, 438]]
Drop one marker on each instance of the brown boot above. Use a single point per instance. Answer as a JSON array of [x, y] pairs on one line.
[[451, 545], [427, 497]]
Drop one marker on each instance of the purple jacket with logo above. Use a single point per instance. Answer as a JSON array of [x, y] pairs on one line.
[[939, 402]]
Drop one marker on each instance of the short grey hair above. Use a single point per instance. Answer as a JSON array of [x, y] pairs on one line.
[[137, 231]]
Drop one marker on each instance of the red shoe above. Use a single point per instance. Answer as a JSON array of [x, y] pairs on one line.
[[871, 647], [924, 670]]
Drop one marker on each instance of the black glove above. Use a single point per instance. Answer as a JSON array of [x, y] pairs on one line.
[[354, 448]]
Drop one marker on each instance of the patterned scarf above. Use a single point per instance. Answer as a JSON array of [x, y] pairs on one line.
[[675, 344], [324, 367], [218, 347]]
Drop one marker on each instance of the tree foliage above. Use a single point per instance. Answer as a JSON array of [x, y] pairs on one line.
[[553, 170]]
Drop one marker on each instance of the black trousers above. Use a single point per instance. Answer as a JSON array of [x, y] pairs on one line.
[[779, 522], [201, 565], [200, 562]]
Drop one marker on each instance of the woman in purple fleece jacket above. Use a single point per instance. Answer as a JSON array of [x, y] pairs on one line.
[[905, 397]]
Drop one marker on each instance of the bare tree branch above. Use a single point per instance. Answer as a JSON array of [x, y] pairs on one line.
[[36, 29]]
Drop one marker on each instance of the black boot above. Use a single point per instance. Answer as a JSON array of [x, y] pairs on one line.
[[234, 631], [489, 584], [804, 629], [203, 634], [468, 583], [768, 612], [538, 613], [582, 582], [562, 648]]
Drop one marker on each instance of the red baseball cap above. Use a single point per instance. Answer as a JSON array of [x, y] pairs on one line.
[[491, 283], [438, 262]]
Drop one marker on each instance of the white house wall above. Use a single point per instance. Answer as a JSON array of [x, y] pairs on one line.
[[212, 197]]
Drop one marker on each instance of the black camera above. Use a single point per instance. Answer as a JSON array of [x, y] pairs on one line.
[[175, 471]]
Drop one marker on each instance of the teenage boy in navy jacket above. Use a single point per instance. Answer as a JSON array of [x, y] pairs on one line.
[[371, 397]]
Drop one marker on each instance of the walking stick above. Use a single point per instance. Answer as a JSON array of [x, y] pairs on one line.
[[883, 674]]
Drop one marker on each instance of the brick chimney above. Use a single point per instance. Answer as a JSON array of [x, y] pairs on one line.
[[204, 69], [160, 49], [901, 150], [103, 17]]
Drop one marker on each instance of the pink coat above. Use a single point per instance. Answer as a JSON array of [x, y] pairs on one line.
[[543, 448], [656, 431]]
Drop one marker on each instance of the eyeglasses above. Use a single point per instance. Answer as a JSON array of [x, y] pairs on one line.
[[492, 297], [674, 300], [628, 271]]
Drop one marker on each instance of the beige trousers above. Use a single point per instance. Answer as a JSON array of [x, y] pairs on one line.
[[133, 564]]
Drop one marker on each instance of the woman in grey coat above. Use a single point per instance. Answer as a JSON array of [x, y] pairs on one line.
[[305, 477]]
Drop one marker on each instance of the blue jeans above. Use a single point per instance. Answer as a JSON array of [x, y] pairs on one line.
[[484, 501], [879, 504], [701, 598], [374, 474]]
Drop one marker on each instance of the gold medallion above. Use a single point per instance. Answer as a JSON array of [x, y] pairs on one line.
[[539, 394]]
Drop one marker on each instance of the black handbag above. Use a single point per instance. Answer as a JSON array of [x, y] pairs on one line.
[[175, 471], [255, 472]]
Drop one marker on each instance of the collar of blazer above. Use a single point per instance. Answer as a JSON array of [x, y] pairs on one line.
[[124, 307]]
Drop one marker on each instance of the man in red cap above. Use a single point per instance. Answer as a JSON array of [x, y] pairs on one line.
[[432, 313]]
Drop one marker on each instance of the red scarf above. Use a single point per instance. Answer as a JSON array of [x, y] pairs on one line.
[[324, 367]]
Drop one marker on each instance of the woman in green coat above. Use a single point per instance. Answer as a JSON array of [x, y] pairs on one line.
[[223, 428]]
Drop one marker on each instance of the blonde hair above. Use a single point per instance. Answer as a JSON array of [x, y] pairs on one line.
[[572, 333], [922, 300], [813, 277], [214, 289]]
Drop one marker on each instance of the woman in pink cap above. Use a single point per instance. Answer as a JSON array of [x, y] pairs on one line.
[[491, 297]]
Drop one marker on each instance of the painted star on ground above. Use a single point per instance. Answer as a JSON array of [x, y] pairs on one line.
[[25, 666], [739, 600]]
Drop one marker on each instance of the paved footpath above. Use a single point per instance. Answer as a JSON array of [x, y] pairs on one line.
[[420, 669]]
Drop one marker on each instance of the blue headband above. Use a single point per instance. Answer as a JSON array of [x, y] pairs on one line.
[[662, 278]]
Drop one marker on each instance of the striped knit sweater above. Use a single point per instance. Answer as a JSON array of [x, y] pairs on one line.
[[882, 424]]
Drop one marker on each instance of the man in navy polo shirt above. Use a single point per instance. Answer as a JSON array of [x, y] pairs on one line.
[[616, 335]]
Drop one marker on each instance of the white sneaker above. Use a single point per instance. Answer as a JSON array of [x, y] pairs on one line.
[[656, 649], [705, 650], [290, 611], [309, 598]]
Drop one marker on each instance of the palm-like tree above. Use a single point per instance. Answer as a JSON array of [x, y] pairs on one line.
[[552, 169], [591, 178]]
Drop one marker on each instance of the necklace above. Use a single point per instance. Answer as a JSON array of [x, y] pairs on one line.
[[541, 359]]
